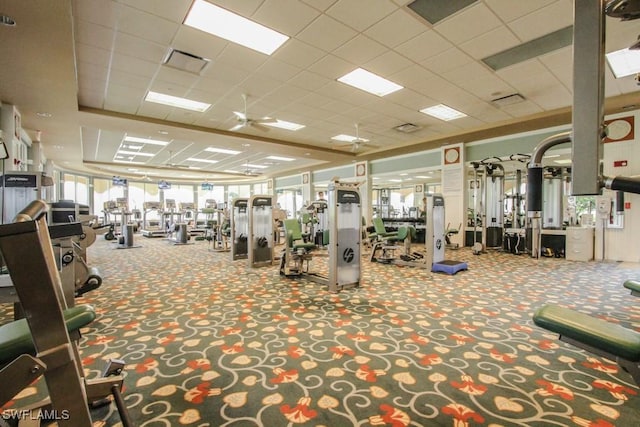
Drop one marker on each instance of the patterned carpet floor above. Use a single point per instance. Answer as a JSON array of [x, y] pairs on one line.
[[211, 342]]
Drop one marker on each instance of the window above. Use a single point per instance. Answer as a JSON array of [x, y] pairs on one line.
[[180, 193], [235, 191], [217, 194], [104, 191], [76, 188], [140, 192]]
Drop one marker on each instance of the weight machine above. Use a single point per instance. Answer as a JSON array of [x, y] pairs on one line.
[[435, 240], [239, 229], [260, 250], [344, 223]]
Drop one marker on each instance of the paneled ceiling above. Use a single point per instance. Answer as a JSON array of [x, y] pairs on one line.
[[79, 70]]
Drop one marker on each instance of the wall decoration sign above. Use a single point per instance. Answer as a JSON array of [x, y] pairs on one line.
[[418, 188], [451, 155], [361, 169], [621, 129], [305, 178]]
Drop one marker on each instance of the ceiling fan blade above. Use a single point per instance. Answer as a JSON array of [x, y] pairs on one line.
[[241, 116], [238, 127], [266, 120], [258, 126]]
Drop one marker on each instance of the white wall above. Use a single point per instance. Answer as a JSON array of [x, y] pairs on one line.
[[622, 244]]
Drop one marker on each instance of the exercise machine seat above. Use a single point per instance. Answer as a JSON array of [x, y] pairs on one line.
[[633, 286], [295, 239], [15, 337], [381, 232], [614, 339]]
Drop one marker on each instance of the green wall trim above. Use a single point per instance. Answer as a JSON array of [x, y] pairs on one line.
[[423, 159]]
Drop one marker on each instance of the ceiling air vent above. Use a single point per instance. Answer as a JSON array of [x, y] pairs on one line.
[[434, 11], [507, 100], [185, 61], [407, 128]]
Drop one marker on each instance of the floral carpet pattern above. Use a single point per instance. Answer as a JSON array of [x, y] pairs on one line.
[[211, 342]]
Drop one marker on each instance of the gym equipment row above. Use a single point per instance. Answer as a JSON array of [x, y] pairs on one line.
[[43, 343], [344, 226]]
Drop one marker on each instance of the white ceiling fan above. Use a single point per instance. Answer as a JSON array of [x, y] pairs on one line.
[[171, 165], [250, 172], [357, 142], [244, 120]]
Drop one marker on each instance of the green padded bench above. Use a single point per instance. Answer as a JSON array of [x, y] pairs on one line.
[[381, 232], [295, 238], [633, 286], [15, 337], [595, 335]]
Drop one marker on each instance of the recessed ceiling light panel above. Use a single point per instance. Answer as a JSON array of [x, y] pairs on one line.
[[443, 112], [222, 23], [284, 125], [129, 138], [175, 101], [222, 150], [369, 82], [624, 62]]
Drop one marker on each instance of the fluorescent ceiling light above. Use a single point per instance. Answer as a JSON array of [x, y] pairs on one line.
[[284, 159], [422, 177], [135, 153], [257, 166], [193, 159], [284, 125], [174, 101], [132, 147], [562, 161], [221, 150], [443, 112], [229, 171], [194, 167], [369, 82], [624, 62], [235, 28], [145, 140], [348, 138], [395, 180]]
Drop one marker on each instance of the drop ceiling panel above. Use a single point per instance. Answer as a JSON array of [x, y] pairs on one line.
[[332, 67], [423, 46], [469, 23], [146, 26], [94, 35], [359, 14], [509, 10], [560, 63], [285, 16], [298, 53], [414, 77], [308, 80], [388, 63], [278, 70], [543, 21], [241, 57], [550, 96], [174, 10], [134, 66], [397, 28], [103, 13], [489, 43], [93, 55], [448, 60], [326, 33], [136, 47], [224, 74], [321, 5], [359, 50]]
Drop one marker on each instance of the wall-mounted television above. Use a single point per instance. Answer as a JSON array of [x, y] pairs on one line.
[[206, 186], [119, 181], [164, 185]]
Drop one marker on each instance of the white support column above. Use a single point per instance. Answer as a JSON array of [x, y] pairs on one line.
[[362, 175], [453, 184]]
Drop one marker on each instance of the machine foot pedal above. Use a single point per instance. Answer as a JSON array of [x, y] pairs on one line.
[[417, 255]]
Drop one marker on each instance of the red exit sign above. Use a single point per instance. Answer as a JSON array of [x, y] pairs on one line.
[[619, 163]]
